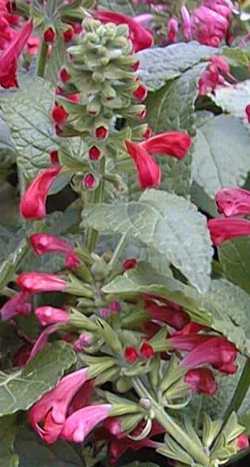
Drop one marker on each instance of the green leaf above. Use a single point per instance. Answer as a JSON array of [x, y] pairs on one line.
[[221, 154], [7, 435], [122, 6], [235, 260], [172, 108], [166, 223], [234, 99], [34, 453], [160, 64], [7, 147], [20, 389], [27, 114]]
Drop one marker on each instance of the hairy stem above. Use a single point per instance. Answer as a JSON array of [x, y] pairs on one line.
[[172, 428], [95, 198], [41, 64]]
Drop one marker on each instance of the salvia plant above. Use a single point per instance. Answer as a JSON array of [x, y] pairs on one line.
[[125, 233]]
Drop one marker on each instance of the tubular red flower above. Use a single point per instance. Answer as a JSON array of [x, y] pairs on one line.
[[36, 282], [141, 37], [43, 243], [169, 313], [49, 315], [9, 57], [51, 410], [78, 425], [33, 202], [188, 342], [173, 143], [216, 351], [149, 173], [186, 23], [18, 305], [208, 26], [223, 229], [233, 201], [201, 380]]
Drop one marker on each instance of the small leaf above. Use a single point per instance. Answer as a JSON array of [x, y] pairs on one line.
[[234, 99], [160, 64], [221, 154], [20, 389]]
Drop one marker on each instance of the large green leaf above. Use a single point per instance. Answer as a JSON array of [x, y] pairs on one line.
[[27, 113], [224, 307], [221, 154], [7, 147], [128, 7], [234, 99], [20, 389], [7, 435], [235, 260], [160, 64], [166, 223], [34, 453]]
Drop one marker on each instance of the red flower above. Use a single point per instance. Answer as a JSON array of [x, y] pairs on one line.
[[242, 442], [222, 229], [130, 354], [49, 315], [48, 415], [8, 59], [216, 351], [141, 37], [33, 202], [233, 201], [216, 74], [18, 305], [36, 282], [167, 312], [78, 425], [149, 173], [210, 23], [173, 143], [43, 243], [201, 380]]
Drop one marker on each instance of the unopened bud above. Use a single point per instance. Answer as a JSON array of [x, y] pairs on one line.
[[130, 354], [94, 153], [64, 75], [68, 34], [49, 35], [89, 181], [54, 158], [101, 132]]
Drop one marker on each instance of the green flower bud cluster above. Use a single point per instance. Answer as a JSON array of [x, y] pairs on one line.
[[101, 71]]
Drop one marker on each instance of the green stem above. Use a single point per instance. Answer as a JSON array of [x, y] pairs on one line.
[[41, 64], [240, 391], [96, 198], [118, 250], [172, 428]]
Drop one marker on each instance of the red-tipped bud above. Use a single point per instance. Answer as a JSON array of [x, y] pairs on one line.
[[101, 132], [94, 153], [147, 351], [242, 442], [49, 35], [49, 315], [129, 263], [130, 354], [53, 155], [148, 133], [140, 93], [59, 114], [68, 34], [64, 75], [89, 181]]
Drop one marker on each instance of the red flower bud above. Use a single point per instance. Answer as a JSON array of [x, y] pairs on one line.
[[36, 282], [101, 132], [140, 93], [53, 155], [59, 114], [130, 354], [68, 34], [248, 112], [89, 181], [147, 351], [129, 263], [49, 35], [94, 153], [64, 75]]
